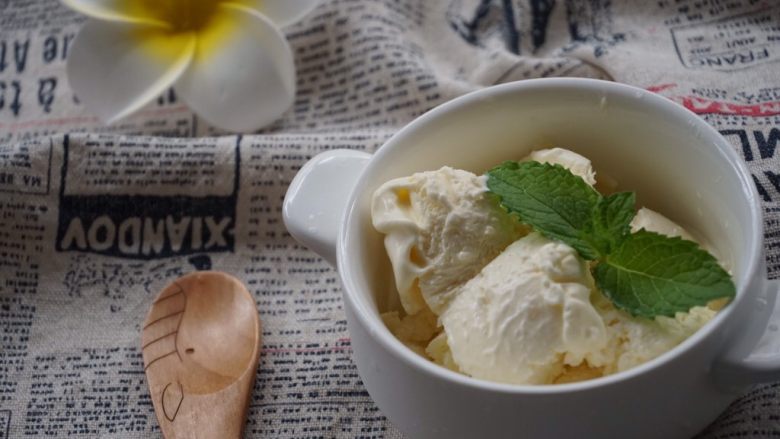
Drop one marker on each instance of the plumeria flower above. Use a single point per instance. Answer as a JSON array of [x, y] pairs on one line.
[[227, 59]]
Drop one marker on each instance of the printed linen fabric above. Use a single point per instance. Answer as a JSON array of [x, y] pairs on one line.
[[95, 220]]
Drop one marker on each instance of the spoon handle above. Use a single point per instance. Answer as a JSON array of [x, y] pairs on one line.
[[220, 415]]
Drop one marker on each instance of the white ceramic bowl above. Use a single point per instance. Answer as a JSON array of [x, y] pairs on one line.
[[673, 160]]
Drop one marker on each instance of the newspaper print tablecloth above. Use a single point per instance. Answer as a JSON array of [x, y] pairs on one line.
[[93, 225]]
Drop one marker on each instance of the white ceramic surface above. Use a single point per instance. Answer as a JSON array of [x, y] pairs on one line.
[[676, 163]]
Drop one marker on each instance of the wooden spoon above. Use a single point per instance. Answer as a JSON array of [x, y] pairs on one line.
[[200, 343]]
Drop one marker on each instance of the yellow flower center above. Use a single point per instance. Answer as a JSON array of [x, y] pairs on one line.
[[193, 15], [210, 22], [178, 15]]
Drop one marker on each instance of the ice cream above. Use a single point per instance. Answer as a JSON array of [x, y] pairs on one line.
[[526, 315], [489, 299], [441, 227], [655, 222], [533, 316], [577, 164]]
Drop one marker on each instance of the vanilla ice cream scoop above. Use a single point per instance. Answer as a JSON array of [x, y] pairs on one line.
[[526, 315], [653, 221], [575, 163], [441, 228]]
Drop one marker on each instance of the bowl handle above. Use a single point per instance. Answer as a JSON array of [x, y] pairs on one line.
[[758, 362], [316, 200]]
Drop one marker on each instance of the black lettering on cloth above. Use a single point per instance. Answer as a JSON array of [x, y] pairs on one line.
[[767, 145], [46, 88], [743, 141], [145, 226]]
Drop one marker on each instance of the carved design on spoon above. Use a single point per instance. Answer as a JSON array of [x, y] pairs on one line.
[[179, 313], [172, 398]]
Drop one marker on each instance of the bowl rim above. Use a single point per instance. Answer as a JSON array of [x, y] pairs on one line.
[[365, 311]]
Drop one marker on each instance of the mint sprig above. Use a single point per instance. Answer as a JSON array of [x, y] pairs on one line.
[[645, 273], [612, 217], [552, 200], [652, 274]]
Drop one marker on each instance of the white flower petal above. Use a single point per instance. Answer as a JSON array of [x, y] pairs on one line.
[[242, 76], [120, 10], [281, 12], [116, 68]]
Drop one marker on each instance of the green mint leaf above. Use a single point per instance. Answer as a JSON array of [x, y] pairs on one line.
[[550, 198], [612, 220], [651, 274]]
